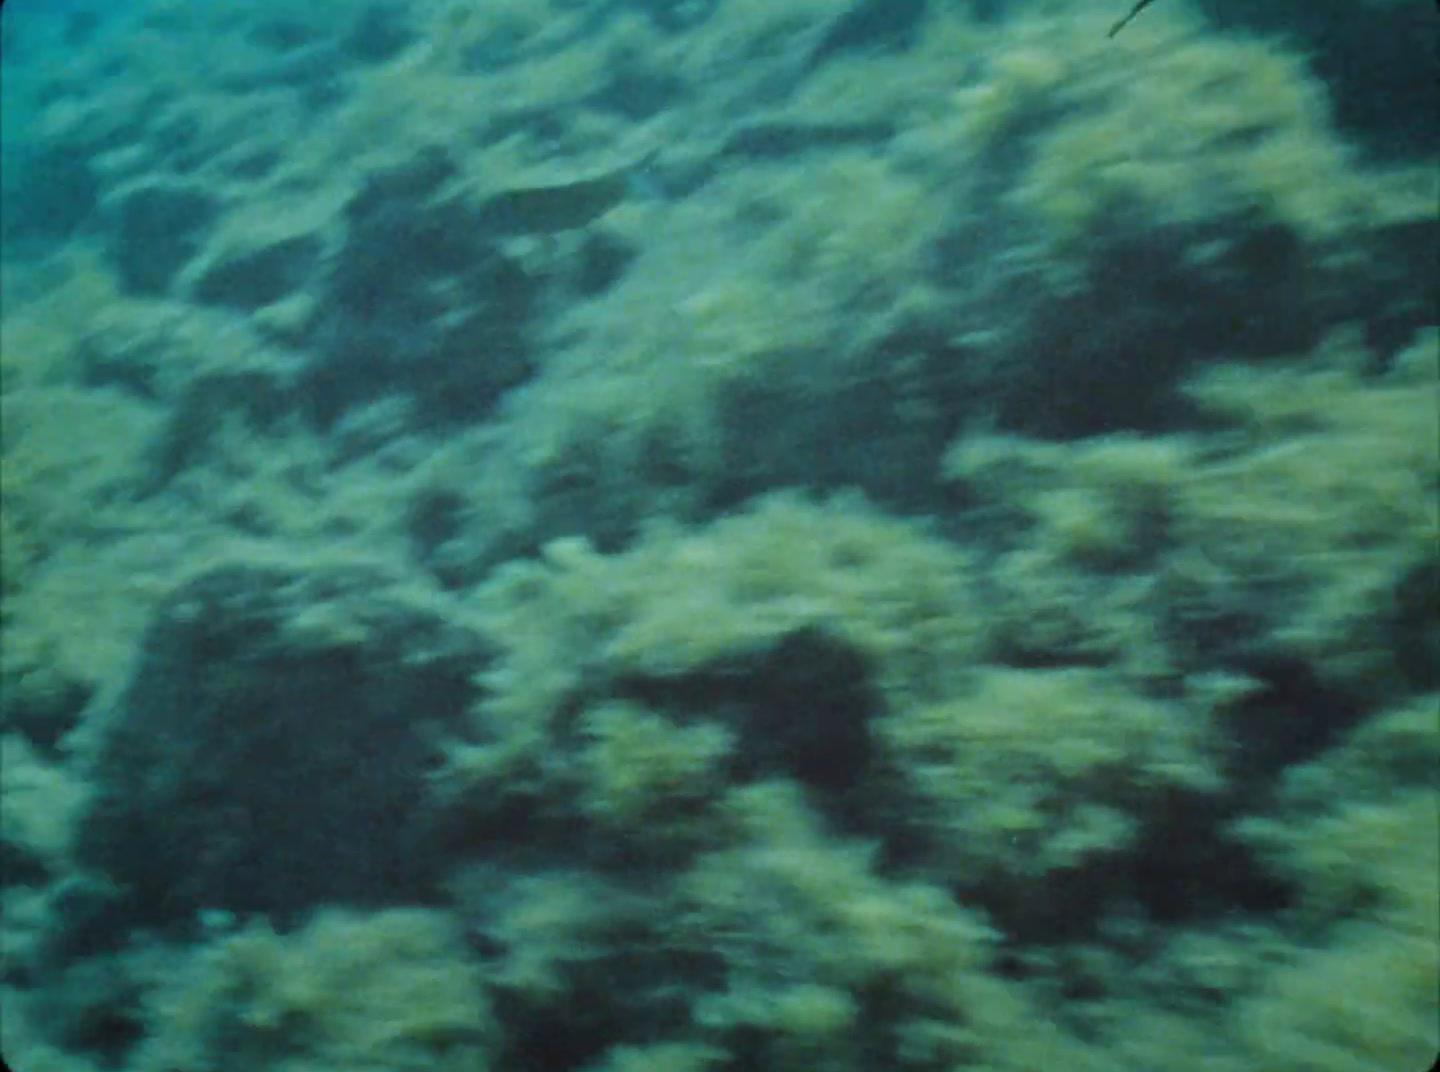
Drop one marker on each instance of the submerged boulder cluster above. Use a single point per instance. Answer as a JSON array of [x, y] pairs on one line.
[[625, 536]]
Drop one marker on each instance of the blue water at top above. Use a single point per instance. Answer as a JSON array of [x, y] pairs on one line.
[[43, 8]]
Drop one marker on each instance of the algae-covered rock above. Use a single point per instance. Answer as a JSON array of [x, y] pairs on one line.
[[419, 300], [268, 752], [764, 645], [388, 992]]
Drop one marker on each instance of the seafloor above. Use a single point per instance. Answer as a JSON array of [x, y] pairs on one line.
[[719, 536]]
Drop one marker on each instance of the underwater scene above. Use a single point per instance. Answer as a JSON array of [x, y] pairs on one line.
[[719, 535]]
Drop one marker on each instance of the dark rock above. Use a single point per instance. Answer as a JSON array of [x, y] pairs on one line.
[[157, 229], [52, 196], [251, 278], [271, 749], [379, 34], [419, 302]]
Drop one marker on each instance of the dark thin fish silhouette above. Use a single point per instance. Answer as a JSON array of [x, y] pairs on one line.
[[1140, 6], [551, 208]]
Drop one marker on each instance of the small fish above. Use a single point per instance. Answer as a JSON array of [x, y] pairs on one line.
[[1140, 6], [548, 209]]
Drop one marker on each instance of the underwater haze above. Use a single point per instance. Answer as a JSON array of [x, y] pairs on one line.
[[719, 536]]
